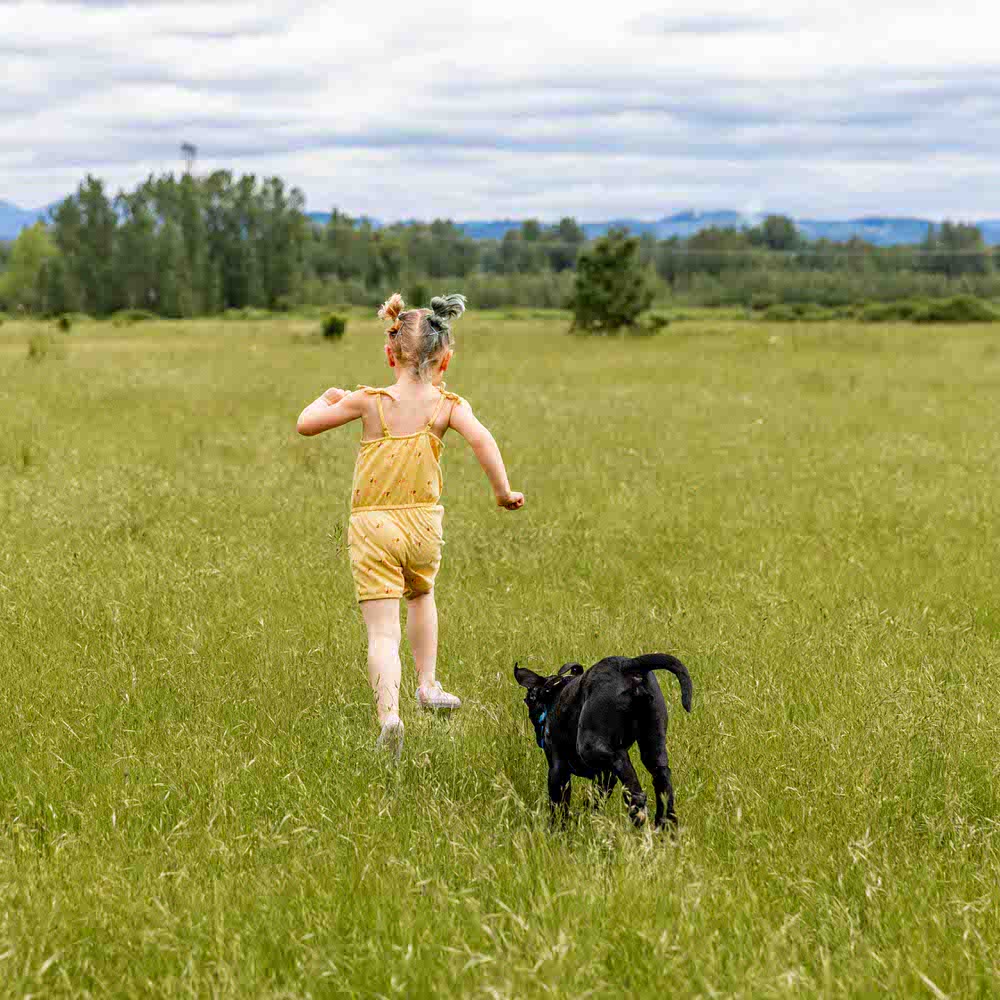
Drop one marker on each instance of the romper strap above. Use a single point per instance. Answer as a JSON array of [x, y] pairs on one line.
[[454, 397], [378, 394]]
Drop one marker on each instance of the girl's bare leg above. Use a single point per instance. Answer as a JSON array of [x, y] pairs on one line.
[[422, 632], [382, 621]]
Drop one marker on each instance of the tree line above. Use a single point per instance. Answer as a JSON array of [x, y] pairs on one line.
[[191, 246]]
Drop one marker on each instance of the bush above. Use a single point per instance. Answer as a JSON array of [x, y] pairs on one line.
[[759, 301], [813, 313], [807, 312], [960, 309], [612, 289], [780, 313], [651, 324], [64, 323], [126, 317], [903, 311], [333, 325]]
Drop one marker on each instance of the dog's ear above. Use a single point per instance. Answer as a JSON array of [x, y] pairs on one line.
[[571, 670], [527, 678]]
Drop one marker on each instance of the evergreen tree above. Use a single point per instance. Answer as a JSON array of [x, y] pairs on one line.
[[612, 289]]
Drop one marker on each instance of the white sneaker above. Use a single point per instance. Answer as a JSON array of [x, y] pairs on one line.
[[391, 738], [437, 699]]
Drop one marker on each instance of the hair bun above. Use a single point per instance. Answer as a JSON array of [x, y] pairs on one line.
[[390, 310], [448, 307]]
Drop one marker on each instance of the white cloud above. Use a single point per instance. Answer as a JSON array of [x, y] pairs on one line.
[[384, 108]]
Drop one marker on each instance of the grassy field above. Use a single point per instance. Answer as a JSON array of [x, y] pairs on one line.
[[807, 516]]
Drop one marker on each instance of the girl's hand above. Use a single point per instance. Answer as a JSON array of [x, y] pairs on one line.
[[334, 395], [512, 501]]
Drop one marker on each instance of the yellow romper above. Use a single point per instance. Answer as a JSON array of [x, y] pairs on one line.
[[395, 532]]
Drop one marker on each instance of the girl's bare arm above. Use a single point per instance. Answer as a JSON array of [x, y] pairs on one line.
[[486, 451], [333, 409]]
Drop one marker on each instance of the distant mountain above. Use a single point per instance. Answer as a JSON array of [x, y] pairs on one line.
[[322, 218], [888, 231], [881, 232], [489, 230], [683, 224]]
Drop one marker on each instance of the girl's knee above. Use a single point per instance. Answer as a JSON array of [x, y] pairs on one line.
[[383, 641]]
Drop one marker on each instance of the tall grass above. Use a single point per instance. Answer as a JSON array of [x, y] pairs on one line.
[[189, 804]]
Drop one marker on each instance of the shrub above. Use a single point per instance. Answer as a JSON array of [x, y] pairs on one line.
[[612, 289], [780, 313], [960, 309], [813, 313], [760, 301], [64, 323], [651, 324], [808, 312], [126, 317], [902, 311], [333, 325]]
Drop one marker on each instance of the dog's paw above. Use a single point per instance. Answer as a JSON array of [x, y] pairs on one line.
[[639, 817]]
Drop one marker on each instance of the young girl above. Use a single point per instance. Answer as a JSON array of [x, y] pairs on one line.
[[395, 535]]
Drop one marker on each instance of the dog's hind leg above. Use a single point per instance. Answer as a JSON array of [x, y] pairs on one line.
[[635, 797], [653, 753], [559, 790], [603, 758]]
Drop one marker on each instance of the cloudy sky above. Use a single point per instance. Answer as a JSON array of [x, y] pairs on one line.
[[527, 107]]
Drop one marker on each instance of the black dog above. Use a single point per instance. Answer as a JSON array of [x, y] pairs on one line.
[[586, 721]]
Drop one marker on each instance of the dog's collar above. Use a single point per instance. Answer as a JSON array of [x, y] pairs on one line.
[[541, 722]]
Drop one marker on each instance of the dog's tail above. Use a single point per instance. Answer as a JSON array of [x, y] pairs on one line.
[[664, 661]]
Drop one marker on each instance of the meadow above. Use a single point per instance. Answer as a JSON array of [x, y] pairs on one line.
[[805, 514]]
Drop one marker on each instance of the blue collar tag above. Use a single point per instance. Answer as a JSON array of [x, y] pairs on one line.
[[541, 722]]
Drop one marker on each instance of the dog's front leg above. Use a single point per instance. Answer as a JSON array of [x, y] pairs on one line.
[[559, 789]]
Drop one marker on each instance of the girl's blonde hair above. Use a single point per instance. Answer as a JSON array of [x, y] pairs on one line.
[[418, 336]]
